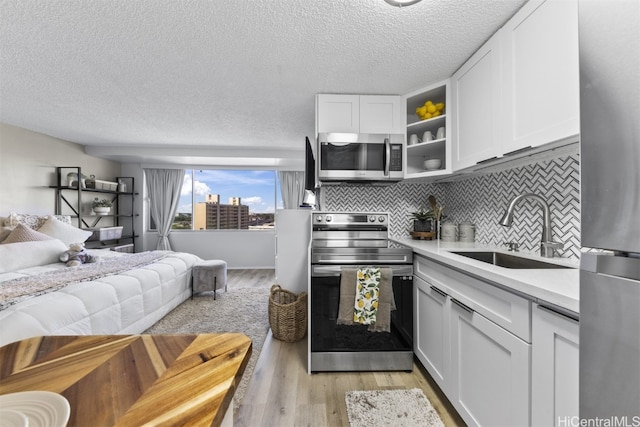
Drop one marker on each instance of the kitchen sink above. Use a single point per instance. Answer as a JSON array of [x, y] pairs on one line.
[[509, 261]]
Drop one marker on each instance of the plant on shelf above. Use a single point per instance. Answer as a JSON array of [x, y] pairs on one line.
[[101, 207]]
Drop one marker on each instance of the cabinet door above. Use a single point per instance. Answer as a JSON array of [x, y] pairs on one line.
[[476, 99], [431, 330], [381, 114], [338, 113], [489, 372], [554, 368], [541, 72]]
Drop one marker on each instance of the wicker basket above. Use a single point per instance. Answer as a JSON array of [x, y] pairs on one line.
[[287, 314]]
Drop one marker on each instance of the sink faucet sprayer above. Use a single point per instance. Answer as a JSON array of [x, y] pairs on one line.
[[547, 245]]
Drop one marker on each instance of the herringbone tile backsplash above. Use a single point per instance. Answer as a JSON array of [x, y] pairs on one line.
[[482, 200]]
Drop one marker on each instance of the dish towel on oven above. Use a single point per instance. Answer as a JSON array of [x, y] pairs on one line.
[[386, 302], [365, 308]]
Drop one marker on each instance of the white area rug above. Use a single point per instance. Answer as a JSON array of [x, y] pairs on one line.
[[397, 408]]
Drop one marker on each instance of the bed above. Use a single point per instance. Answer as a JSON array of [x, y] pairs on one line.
[[120, 294]]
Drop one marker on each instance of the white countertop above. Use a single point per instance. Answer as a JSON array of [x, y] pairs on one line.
[[559, 287]]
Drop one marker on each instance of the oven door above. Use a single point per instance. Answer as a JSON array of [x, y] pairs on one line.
[[359, 157], [327, 336]]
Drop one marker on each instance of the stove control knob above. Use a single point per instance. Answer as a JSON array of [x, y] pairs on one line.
[[328, 218], [372, 218], [319, 218], [381, 218]]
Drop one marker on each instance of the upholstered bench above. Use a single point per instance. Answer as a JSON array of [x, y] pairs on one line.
[[208, 276]]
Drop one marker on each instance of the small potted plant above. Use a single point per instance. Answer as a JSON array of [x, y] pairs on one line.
[[422, 220], [101, 207]]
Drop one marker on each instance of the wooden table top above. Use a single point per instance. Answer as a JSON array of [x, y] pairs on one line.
[[131, 380]]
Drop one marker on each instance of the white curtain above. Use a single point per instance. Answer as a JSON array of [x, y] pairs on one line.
[[164, 186], [292, 188]]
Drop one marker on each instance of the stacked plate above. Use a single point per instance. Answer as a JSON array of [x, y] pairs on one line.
[[34, 409]]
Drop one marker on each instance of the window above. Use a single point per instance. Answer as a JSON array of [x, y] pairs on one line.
[[217, 199]]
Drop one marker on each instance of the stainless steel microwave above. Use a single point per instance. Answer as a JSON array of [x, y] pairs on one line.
[[360, 157]]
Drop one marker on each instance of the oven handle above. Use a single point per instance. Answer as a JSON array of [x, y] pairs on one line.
[[336, 270]]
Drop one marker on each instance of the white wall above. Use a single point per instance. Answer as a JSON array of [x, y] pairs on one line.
[[28, 163], [240, 249]]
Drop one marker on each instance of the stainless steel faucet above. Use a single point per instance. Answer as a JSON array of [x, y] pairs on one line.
[[547, 245]]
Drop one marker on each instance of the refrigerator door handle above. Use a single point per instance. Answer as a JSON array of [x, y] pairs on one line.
[[619, 266]]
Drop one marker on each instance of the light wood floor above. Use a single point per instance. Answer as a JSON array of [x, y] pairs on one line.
[[281, 392], [256, 278]]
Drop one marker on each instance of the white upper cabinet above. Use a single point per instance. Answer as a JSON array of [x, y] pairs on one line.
[[520, 89], [360, 113], [540, 74], [338, 113], [476, 93], [381, 114]]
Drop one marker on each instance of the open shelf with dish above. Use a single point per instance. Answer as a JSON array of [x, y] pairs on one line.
[[417, 154], [427, 137]]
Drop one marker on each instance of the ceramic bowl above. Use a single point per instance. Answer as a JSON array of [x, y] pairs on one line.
[[432, 164]]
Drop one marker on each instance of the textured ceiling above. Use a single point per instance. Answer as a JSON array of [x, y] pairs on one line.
[[218, 76]]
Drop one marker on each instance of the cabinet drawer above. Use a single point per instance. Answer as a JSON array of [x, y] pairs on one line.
[[510, 311]]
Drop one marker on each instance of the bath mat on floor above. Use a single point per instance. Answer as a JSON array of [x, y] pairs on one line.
[[409, 408]]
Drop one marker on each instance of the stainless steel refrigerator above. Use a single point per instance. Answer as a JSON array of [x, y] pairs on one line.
[[610, 210]]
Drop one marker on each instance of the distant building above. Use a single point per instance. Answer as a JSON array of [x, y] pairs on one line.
[[211, 215]]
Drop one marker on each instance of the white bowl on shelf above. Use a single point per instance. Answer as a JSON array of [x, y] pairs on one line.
[[101, 210], [432, 164]]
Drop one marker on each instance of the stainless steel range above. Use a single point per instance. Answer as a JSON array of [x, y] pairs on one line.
[[341, 240]]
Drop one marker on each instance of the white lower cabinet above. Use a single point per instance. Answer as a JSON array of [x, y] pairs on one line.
[[431, 330], [489, 373], [481, 366], [555, 355]]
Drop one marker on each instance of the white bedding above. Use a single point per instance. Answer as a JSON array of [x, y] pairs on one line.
[[124, 303]]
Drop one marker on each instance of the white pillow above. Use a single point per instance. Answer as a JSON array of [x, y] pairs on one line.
[[65, 232], [15, 256]]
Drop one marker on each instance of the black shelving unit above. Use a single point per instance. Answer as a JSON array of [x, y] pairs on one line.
[[71, 199]]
